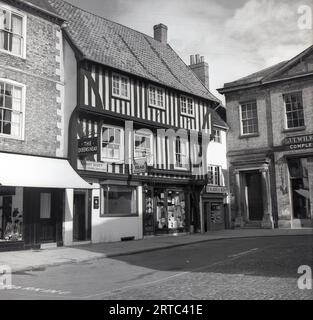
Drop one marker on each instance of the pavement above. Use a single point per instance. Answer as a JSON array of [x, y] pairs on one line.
[[21, 261]]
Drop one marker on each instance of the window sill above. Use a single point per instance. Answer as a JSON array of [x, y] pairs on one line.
[[120, 97], [156, 107], [294, 129], [247, 136], [3, 136], [23, 57], [192, 116]]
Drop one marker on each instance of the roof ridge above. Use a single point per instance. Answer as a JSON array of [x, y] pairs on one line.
[[111, 21]]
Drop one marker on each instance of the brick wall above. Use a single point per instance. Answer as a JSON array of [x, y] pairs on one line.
[[40, 72]]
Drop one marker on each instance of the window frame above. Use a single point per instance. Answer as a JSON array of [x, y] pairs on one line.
[[24, 30], [21, 137], [155, 105], [104, 212], [220, 177], [184, 156], [299, 95], [250, 134], [119, 95], [150, 157], [187, 114], [122, 145], [217, 138]]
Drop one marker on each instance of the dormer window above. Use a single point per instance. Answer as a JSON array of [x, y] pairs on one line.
[[12, 32], [156, 97], [120, 86], [187, 106]]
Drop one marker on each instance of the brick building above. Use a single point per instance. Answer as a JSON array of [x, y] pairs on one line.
[[270, 145], [32, 126]]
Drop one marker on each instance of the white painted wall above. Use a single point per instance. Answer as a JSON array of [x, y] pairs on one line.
[[69, 215], [113, 229], [217, 152]]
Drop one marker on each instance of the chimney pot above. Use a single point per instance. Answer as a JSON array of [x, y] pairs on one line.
[[160, 33], [201, 69]]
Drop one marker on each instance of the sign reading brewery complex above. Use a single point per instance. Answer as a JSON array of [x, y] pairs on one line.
[[299, 142], [88, 146]]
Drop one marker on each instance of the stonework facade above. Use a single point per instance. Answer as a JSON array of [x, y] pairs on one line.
[[271, 165], [40, 71]]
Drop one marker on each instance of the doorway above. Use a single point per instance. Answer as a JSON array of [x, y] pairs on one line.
[[254, 196], [82, 219], [214, 216]]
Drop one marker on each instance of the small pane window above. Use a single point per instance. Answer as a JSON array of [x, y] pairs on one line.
[[186, 106], [294, 110], [249, 118], [120, 86]]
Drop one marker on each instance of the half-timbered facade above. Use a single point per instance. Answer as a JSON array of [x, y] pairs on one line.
[[139, 116]]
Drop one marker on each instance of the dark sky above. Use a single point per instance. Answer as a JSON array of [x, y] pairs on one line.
[[237, 37]]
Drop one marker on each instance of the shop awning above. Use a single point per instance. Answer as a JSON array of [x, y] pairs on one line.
[[38, 172]]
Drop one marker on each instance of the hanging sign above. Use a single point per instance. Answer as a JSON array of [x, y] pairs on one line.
[[140, 166], [87, 146]]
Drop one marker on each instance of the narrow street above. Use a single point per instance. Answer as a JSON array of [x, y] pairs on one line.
[[256, 268]]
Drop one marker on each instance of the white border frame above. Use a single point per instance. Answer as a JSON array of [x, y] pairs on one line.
[[193, 106]]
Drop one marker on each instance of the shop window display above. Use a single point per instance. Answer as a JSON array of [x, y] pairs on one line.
[[170, 210], [11, 221]]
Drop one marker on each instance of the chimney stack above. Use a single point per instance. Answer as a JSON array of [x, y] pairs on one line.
[[201, 69], [160, 33]]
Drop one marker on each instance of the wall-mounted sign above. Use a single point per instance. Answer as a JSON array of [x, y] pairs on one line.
[[140, 166], [213, 189], [299, 142], [87, 146], [7, 191], [92, 166]]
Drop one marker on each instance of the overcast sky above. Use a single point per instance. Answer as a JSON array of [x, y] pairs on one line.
[[237, 37]]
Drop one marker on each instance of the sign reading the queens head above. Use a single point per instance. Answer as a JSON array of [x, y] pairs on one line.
[[299, 142]]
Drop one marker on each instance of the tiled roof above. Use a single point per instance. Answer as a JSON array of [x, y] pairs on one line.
[[114, 45], [255, 77], [42, 5]]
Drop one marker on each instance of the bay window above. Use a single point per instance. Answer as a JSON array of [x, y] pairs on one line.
[[11, 109], [143, 147], [112, 141], [181, 154]]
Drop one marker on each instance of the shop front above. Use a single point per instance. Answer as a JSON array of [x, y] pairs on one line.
[[166, 210], [214, 211], [32, 200]]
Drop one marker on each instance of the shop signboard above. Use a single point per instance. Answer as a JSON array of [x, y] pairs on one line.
[[299, 142], [216, 189], [88, 146], [140, 166]]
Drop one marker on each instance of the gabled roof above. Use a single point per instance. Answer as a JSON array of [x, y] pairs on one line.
[[43, 6], [114, 45], [274, 72]]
